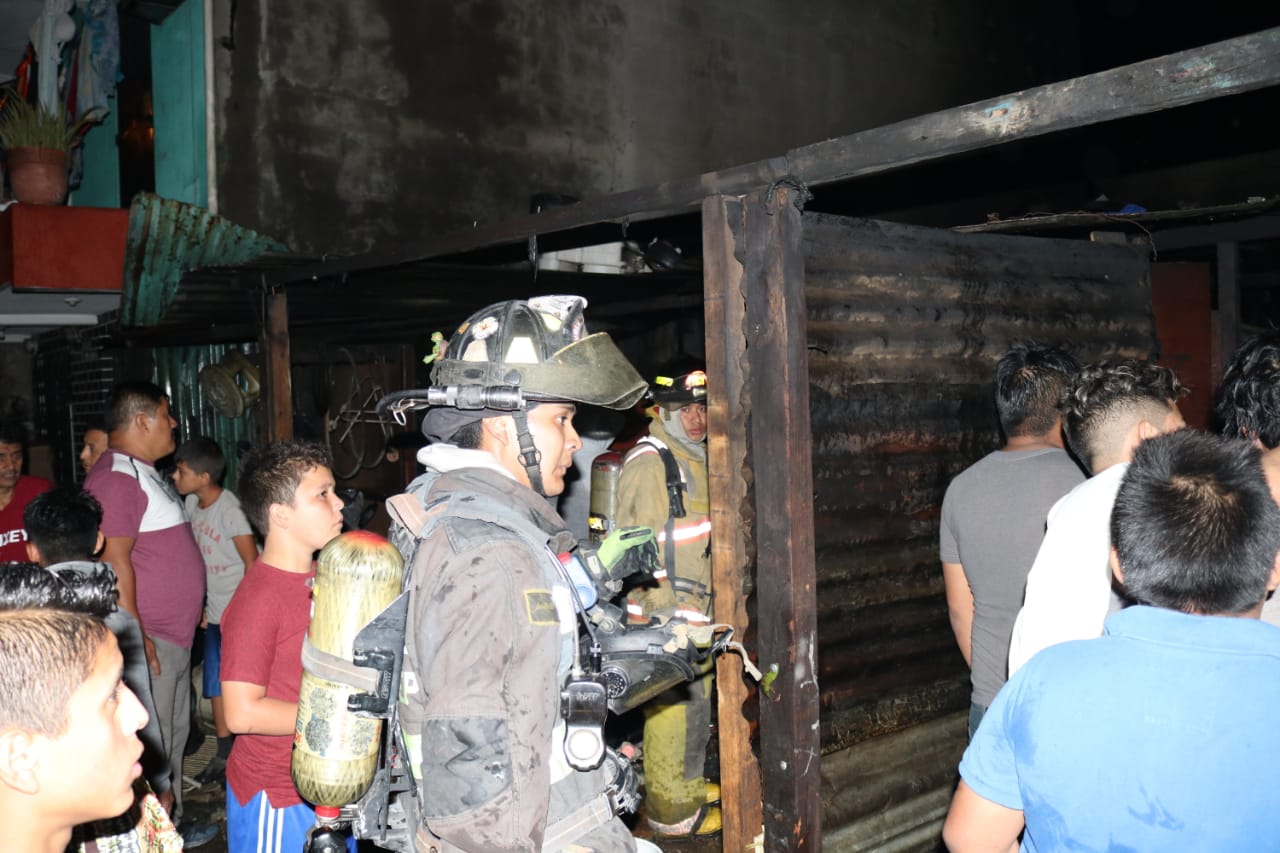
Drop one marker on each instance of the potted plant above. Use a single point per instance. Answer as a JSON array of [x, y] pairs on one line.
[[38, 144]]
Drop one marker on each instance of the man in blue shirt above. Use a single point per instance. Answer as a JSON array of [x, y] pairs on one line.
[[1159, 735]]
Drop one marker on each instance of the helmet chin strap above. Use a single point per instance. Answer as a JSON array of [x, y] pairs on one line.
[[530, 458]]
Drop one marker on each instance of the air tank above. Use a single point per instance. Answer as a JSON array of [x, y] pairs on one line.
[[335, 752], [605, 470]]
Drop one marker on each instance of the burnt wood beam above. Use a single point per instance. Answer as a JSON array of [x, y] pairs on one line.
[[276, 353], [1224, 68], [728, 408], [782, 444]]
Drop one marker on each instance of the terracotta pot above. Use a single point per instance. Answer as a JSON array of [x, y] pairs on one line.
[[38, 175]]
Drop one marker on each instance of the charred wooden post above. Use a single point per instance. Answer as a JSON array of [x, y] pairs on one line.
[[275, 347], [778, 379], [728, 407]]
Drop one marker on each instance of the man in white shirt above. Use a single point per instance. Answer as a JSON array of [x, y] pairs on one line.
[[1107, 411]]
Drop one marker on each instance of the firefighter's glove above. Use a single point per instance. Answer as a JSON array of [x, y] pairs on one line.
[[625, 552]]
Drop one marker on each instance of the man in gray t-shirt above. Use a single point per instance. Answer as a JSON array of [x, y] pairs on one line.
[[994, 512]]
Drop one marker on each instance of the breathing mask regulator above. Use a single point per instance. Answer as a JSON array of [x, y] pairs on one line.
[[619, 666]]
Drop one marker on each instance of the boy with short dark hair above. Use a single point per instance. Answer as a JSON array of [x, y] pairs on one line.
[[68, 727], [64, 536], [287, 491], [95, 443], [226, 543]]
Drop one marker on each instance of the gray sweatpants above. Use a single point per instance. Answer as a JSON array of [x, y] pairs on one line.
[[171, 690]]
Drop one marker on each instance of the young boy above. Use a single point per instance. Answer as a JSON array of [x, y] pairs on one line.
[[226, 543], [69, 747], [63, 530], [95, 444], [287, 491]]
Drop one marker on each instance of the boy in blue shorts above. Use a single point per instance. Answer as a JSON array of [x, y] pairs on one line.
[[287, 491], [227, 546]]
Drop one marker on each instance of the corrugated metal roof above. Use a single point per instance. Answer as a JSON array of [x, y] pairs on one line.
[[167, 239]]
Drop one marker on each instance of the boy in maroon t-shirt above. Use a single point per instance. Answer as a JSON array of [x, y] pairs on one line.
[[287, 491]]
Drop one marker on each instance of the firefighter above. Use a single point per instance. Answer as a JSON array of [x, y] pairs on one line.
[[663, 485], [492, 625]]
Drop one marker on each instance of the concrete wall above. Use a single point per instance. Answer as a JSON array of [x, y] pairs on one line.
[[343, 125]]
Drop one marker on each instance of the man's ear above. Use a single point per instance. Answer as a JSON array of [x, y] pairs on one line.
[[33, 553], [1137, 434], [500, 431], [20, 760], [1274, 580], [99, 545], [1114, 560], [278, 515]]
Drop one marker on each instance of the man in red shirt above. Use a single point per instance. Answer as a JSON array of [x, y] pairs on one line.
[[16, 491]]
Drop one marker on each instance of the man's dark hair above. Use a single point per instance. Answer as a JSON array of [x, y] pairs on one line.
[[128, 399], [1103, 401], [50, 630], [1249, 399], [1029, 382], [30, 585], [1195, 526], [469, 436], [13, 432], [95, 422], [63, 524], [45, 654], [204, 456], [270, 474]]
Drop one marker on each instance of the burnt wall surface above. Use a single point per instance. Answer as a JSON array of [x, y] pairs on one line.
[[343, 125], [905, 326]]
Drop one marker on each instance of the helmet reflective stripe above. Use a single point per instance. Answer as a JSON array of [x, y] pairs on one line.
[[687, 382], [678, 391]]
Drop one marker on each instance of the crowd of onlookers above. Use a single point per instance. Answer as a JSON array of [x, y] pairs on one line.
[[1108, 572], [160, 557], [1109, 575]]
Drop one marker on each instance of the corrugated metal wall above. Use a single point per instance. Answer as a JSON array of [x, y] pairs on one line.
[[905, 326], [177, 371]]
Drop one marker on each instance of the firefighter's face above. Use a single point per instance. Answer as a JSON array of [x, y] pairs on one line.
[[551, 425], [693, 418]]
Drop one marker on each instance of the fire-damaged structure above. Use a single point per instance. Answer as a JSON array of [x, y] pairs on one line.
[[849, 363]]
